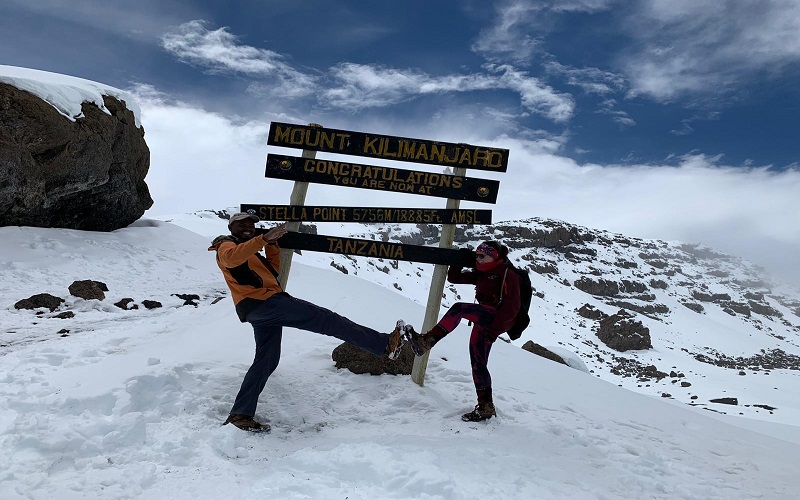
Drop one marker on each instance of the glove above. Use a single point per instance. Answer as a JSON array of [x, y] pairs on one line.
[[467, 257]]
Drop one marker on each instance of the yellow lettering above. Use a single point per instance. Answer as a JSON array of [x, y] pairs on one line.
[[327, 140], [298, 135], [282, 134], [438, 153], [482, 156], [334, 245], [369, 145], [495, 159], [466, 157], [422, 152], [408, 149]]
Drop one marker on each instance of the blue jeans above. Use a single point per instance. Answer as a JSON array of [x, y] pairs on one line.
[[268, 320]]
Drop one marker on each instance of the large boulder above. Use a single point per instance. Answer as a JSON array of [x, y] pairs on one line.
[[623, 333], [87, 174], [360, 361]]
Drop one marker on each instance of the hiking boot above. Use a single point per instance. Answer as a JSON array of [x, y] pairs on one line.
[[396, 340], [482, 411], [419, 343], [246, 423]]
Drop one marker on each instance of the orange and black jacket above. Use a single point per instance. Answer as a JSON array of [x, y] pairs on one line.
[[247, 272]]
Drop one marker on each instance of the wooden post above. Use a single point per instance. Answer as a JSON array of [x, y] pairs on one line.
[[297, 198], [436, 290]]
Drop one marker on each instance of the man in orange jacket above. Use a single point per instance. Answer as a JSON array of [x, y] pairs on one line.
[[260, 301]]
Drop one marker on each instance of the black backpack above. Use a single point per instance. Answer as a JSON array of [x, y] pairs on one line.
[[525, 292]]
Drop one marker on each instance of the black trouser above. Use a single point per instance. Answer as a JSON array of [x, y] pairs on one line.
[[268, 320]]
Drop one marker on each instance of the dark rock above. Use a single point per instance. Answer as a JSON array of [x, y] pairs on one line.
[[693, 397], [673, 374], [648, 309], [65, 315], [666, 395], [151, 304], [766, 407], [123, 304], [542, 351], [360, 361], [588, 311], [62, 331], [102, 286], [189, 299], [627, 286], [659, 284], [736, 307], [713, 297], [694, 306], [600, 287], [339, 267], [40, 300], [86, 289], [87, 174], [544, 268], [686, 384], [726, 401], [764, 309], [622, 333], [757, 296]]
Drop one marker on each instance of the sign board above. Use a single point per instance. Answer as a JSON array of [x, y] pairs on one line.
[[372, 248], [295, 168], [387, 147], [367, 214]]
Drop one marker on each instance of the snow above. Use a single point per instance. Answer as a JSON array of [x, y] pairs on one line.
[[129, 403], [120, 403], [65, 93]]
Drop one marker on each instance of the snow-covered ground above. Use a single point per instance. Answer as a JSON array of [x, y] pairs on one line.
[[128, 403]]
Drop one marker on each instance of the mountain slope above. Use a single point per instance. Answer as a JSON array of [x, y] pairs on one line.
[[129, 403]]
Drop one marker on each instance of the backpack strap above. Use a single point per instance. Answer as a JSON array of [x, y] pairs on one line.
[[502, 289]]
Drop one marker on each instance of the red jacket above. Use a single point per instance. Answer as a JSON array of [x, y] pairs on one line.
[[488, 291]]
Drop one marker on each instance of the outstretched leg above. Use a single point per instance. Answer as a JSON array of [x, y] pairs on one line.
[[476, 313], [285, 310]]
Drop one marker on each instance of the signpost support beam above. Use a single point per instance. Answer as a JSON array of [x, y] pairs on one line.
[[436, 290], [298, 198]]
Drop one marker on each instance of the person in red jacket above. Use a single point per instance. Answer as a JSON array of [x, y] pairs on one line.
[[497, 292], [260, 301]]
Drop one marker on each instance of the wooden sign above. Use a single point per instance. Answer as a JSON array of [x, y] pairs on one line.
[[367, 214], [295, 168], [387, 147], [372, 248]]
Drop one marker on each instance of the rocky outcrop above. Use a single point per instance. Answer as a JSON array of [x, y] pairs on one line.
[[87, 174], [622, 333], [40, 300], [542, 351], [87, 289], [360, 361]]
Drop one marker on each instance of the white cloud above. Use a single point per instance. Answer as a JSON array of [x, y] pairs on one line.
[[220, 51], [203, 160], [516, 34], [590, 80], [508, 37], [352, 86], [686, 47]]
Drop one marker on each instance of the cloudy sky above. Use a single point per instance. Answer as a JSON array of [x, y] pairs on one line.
[[670, 120]]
